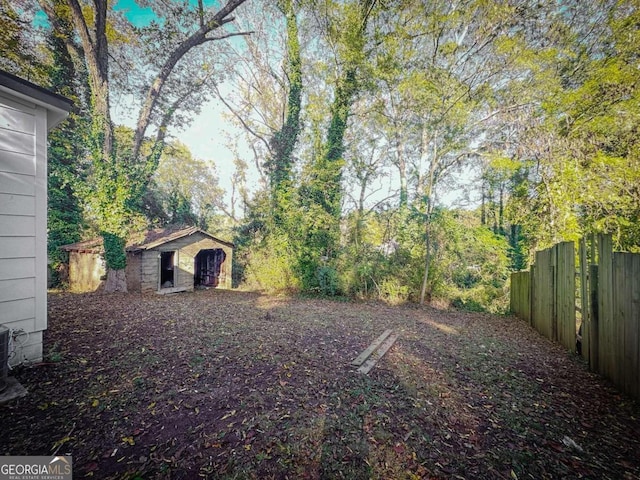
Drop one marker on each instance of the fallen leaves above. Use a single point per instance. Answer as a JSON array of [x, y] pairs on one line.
[[208, 384]]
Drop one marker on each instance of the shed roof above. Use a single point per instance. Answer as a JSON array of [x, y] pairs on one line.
[[57, 106], [155, 238], [87, 246], [152, 238]]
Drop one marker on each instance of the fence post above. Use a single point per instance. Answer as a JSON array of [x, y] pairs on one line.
[[594, 334], [532, 295], [554, 292], [585, 304], [634, 330]]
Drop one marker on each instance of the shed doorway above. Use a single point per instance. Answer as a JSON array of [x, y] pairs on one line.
[[167, 269], [208, 265]]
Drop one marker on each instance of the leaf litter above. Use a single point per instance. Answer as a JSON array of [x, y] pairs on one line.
[[227, 384]]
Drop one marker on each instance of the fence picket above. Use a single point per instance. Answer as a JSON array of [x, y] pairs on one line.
[[605, 307], [594, 315], [635, 313]]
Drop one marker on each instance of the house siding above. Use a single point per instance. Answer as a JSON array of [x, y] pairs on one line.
[[23, 198]]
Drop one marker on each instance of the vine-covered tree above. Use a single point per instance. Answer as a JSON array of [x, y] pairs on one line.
[[66, 156]]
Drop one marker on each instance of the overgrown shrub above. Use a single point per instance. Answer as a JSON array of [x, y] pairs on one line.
[[328, 281], [270, 266], [393, 292]]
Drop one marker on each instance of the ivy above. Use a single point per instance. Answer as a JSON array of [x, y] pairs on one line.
[[114, 251]]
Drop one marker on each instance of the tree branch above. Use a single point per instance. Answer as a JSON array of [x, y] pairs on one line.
[[197, 38], [242, 121], [54, 19]]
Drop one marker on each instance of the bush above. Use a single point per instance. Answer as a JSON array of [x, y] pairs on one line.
[[393, 292], [328, 282], [270, 267]]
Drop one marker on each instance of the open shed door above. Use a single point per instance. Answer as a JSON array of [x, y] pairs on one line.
[[208, 264]]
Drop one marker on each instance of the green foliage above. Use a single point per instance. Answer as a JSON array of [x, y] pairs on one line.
[[393, 292], [114, 253], [284, 141], [270, 266], [19, 52], [184, 190], [66, 161], [471, 263], [328, 281], [322, 191]]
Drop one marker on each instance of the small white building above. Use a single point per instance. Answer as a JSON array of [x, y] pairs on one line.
[[27, 113]]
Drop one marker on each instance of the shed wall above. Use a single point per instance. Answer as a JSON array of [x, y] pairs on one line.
[[186, 248], [86, 271], [133, 271]]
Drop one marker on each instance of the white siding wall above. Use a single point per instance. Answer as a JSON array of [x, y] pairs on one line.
[[23, 222]]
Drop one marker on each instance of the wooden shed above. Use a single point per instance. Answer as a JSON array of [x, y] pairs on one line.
[[27, 113], [165, 261]]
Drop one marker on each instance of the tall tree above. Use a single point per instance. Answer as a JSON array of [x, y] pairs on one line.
[[437, 65], [284, 141], [66, 155], [345, 27], [122, 174], [577, 70], [19, 52]]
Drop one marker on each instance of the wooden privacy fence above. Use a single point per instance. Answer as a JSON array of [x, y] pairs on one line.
[[609, 299], [545, 295]]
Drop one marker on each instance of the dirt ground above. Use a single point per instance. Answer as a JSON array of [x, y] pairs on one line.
[[223, 384]]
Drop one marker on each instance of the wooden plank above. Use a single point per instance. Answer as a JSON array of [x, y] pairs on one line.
[[15, 311], [627, 266], [513, 307], [359, 360], [17, 289], [554, 293], [17, 247], [17, 226], [17, 142], [538, 294], [17, 183], [519, 295], [566, 295], [619, 293], [16, 120], [11, 204], [532, 294], [373, 359], [605, 307], [13, 268], [547, 289]]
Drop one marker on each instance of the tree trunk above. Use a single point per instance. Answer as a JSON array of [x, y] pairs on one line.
[[483, 207], [501, 210], [116, 281], [429, 188], [427, 263], [284, 141]]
